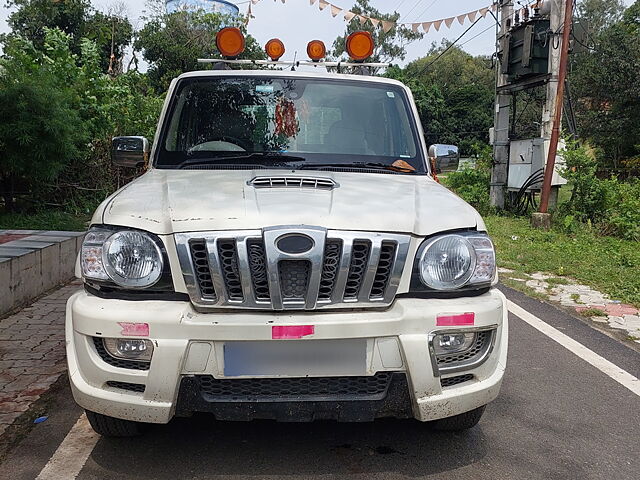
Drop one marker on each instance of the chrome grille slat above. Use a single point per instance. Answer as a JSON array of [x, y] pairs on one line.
[[246, 269], [316, 183]]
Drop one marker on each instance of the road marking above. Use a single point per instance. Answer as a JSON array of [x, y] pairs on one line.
[[72, 454], [621, 376]]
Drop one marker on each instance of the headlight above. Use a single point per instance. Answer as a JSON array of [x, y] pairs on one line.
[[450, 262], [129, 258]]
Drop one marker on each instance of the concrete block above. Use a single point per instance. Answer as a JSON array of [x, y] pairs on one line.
[[26, 281], [67, 260], [50, 267], [21, 232], [6, 292], [46, 238], [10, 252], [24, 243], [62, 233]]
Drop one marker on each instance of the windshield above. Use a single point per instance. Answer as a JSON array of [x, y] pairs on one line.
[[289, 122]]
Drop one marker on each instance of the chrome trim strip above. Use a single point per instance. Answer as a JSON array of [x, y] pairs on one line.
[[467, 365]]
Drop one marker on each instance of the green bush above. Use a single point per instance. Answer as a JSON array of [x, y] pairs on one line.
[[472, 183], [610, 206]]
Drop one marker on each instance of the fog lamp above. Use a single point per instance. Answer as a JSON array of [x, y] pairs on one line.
[[129, 348], [446, 343]]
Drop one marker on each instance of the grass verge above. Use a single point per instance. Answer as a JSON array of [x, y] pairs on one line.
[[50, 220], [610, 265]]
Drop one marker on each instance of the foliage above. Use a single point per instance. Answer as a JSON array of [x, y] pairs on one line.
[[46, 220], [611, 206], [173, 42], [454, 94], [606, 263], [604, 79], [41, 132], [98, 107], [472, 184], [77, 19], [388, 46]]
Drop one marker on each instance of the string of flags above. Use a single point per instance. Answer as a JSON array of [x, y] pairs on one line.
[[386, 25]]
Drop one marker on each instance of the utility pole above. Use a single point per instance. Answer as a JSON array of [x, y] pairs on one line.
[[500, 169], [552, 114]]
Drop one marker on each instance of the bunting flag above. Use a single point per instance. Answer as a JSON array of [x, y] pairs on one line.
[[387, 25]]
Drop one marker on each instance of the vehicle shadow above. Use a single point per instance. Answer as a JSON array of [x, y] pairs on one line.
[[200, 447]]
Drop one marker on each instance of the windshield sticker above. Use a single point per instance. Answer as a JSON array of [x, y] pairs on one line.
[[391, 95], [264, 88]]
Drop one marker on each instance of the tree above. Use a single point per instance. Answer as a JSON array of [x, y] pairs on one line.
[[605, 82], [454, 92], [77, 19], [389, 46], [173, 42], [597, 15], [40, 130]]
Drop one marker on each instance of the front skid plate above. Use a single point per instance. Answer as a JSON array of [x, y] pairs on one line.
[[396, 403]]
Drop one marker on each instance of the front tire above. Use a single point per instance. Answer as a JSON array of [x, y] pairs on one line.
[[461, 422], [114, 427]]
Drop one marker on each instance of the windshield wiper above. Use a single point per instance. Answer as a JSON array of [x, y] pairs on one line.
[[278, 159], [363, 165]]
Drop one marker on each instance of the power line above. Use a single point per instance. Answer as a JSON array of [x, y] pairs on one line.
[[425, 10], [411, 9], [448, 47], [476, 36]]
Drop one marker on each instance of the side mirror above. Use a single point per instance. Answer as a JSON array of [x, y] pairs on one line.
[[131, 152], [444, 158]]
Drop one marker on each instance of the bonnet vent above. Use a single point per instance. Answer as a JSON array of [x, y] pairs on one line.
[[294, 182]]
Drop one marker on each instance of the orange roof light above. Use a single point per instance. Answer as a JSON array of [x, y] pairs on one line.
[[230, 42], [316, 50], [274, 48], [360, 45]]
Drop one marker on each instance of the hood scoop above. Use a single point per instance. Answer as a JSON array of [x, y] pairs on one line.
[[316, 183]]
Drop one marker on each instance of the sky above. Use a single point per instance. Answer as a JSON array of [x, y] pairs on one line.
[[296, 22]]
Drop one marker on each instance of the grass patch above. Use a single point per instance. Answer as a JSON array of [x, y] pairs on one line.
[[50, 220], [593, 312], [557, 281], [607, 264]]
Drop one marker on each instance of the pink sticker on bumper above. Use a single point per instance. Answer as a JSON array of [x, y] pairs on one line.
[[134, 329], [456, 320], [291, 332]]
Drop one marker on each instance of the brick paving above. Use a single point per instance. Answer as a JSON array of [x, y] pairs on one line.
[[32, 353]]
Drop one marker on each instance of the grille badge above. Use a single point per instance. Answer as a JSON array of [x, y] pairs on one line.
[[294, 243]]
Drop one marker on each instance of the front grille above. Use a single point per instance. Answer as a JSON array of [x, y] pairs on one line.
[[483, 339], [131, 387], [457, 380], [245, 269], [294, 278], [117, 362], [289, 389]]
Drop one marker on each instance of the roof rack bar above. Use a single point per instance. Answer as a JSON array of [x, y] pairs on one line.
[[293, 62]]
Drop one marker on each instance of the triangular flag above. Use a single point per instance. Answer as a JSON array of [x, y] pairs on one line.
[[494, 7], [448, 21], [415, 26], [334, 10], [322, 4], [284, 1], [426, 26], [386, 26], [375, 22], [437, 24], [256, 1], [483, 12], [461, 18], [362, 19], [348, 16], [472, 16], [311, 2]]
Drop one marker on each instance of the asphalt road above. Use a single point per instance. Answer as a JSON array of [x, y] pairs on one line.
[[558, 417]]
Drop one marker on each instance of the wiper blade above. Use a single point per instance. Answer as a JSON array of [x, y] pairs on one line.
[[363, 165], [278, 158]]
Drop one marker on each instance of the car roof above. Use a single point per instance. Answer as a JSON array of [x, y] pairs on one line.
[[290, 74]]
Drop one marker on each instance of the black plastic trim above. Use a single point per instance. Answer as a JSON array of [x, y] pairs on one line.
[[135, 295]]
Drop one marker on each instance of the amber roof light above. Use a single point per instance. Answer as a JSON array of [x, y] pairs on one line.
[[230, 42], [360, 45], [274, 48], [316, 50]]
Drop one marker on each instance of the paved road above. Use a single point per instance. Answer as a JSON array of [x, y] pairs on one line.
[[559, 416]]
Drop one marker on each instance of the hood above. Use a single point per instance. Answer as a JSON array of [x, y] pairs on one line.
[[172, 201]]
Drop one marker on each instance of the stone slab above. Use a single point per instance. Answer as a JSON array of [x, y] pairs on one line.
[[10, 252]]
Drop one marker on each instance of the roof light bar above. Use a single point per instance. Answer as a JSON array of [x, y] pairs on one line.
[[294, 63]]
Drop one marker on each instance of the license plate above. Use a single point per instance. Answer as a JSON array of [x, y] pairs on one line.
[[296, 358]]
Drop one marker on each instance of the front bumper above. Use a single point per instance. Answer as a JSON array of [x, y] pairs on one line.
[[188, 344]]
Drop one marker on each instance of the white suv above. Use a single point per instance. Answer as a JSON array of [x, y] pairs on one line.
[[287, 255]]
